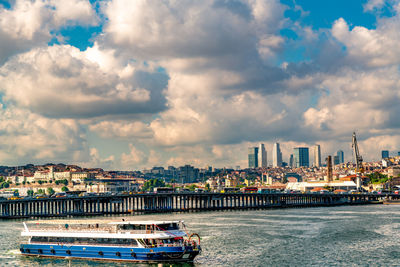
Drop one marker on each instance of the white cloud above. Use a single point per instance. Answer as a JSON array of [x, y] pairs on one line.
[[30, 138], [123, 129], [29, 24], [134, 159], [370, 5], [73, 12], [371, 47], [60, 81], [96, 161]]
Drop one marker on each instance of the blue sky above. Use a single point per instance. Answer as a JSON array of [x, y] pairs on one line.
[[133, 84]]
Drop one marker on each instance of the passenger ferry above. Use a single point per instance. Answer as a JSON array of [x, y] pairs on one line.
[[153, 241]]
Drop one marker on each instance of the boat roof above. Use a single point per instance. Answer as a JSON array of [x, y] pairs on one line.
[[72, 222]]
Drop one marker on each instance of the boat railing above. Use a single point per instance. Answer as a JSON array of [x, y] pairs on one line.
[[95, 230]]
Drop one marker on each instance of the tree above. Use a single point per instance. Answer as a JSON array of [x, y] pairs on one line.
[[30, 192], [378, 178], [208, 187], [40, 191], [150, 184], [40, 182], [64, 189], [192, 187], [50, 191]]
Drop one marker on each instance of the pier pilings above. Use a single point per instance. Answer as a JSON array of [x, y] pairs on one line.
[[173, 202]]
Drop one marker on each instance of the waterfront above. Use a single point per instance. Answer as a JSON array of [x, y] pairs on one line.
[[328, 236]]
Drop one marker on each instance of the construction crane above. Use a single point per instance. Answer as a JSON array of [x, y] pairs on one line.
[[358, 159]]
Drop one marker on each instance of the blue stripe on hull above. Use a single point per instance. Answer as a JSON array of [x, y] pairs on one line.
[[111, 253]]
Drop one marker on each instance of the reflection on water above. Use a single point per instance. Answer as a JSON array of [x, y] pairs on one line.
[[344, 236]]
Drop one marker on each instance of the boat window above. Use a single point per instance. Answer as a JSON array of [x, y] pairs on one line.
[[168, 226], [39, 239], [85, 240], [131, 227]]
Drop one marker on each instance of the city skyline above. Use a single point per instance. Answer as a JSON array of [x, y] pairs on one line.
[[132, 84]]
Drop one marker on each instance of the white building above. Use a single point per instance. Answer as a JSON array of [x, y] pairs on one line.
[[308, 186], [276, 156], [108, 185], [79, 177], [262, 156], [42, 175], [15, 179], [317, 156]]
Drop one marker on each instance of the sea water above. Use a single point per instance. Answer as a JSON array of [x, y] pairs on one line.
[[367, 235]]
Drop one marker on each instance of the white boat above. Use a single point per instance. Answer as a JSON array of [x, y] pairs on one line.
[[156, 241]]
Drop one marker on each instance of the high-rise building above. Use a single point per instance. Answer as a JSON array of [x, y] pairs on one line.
[[317, 156], [253, 157], [291, 161], [385, 154], [340, 155], [276, 156], [262, 156], [398, 153], [336, 160], [301, 157], [188, 174]]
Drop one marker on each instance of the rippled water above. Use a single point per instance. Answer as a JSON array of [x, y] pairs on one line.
[[333, 236]]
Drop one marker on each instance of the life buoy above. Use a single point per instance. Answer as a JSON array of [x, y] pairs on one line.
[[101, 253], [192, 235], [118, 254]]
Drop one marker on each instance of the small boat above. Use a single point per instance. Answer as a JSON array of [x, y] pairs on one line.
[[150, 241]]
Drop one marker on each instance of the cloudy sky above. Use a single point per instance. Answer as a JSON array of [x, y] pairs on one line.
[[131, 84]]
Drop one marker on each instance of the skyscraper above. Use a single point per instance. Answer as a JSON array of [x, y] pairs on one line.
[[385, 154], [340, 155], [301, 157], [253, 157], [276, 156], [317, 156], [291, 161], [336, 160], [262, 156]]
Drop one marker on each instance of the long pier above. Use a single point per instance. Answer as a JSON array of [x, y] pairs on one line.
[[173, 202]]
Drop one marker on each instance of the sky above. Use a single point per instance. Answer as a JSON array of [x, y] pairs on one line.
[[127, 85]]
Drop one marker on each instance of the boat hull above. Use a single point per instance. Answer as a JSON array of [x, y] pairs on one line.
[[115, 253]]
